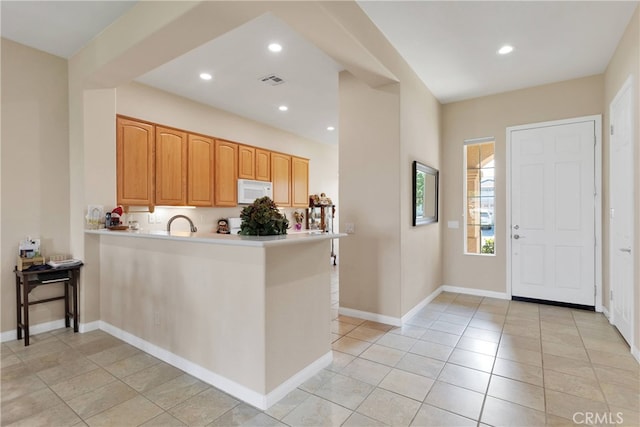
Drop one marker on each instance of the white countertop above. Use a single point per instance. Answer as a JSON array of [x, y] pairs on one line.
[[222, 239]]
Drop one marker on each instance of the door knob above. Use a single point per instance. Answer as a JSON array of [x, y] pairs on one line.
[[516, 227], [517, 236]]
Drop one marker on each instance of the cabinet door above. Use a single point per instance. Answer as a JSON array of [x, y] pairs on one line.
[[200, 171], [281, 178], [171, 167], [226, 173], [299, 182], [246, 162], [135, 142], [263, 165]]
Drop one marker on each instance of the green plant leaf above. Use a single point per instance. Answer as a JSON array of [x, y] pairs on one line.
[[262, 218]]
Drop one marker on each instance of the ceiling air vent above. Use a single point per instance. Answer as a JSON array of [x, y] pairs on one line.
[[272, 80]]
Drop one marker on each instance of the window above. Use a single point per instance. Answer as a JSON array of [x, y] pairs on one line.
[[479, 196]]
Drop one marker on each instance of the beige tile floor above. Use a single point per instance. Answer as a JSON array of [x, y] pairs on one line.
[[463, 360]]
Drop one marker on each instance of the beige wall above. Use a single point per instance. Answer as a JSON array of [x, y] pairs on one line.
[[388, 266], [393, 266], [490, 116], [162, 291], [370, 194], [98, 160], [421, 134], [624, 63], [253, 315], [35, 167], [345, 33], [297, 297]]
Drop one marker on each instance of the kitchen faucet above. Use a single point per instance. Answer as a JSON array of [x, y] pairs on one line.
[[193, 227]]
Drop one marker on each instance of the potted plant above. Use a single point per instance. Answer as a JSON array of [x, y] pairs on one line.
[[262, 218], [298, 217]]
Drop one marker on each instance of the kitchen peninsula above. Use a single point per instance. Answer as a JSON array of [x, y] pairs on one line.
[[249, 315]]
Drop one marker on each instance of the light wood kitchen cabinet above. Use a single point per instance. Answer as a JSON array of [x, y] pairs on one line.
[[246, 162], [159, 165], [263, 165], [200, 171], [299, 182], [226, 173], [281, 178], [135, 157], [171, 167]]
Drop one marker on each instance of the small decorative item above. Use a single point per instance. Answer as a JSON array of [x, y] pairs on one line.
[[223, 226], [115, 216], [29, 248], [95, 217], [321, 200], [262, 218], [298, 217], [324, 200]]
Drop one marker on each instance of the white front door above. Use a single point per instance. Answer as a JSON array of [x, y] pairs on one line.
[[553, 212], [621, 214]]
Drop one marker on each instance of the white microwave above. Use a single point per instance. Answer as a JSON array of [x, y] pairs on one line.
[[250, 190]]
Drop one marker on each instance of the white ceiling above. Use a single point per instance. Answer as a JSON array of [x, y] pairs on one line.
[[240, 58], [450, 44], [61, 28]]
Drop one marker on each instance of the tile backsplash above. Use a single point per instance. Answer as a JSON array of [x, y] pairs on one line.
[[205, 219]]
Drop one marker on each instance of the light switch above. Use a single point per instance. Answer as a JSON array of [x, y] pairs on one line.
[[349, 228], [453, 224]]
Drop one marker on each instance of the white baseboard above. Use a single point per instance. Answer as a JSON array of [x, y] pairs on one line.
[[374, 317], [8, 336], [260, 401], [297, 379], [635, 352], [399, 321], [476, 292], [88, 327], [33, 330], [422, 304]]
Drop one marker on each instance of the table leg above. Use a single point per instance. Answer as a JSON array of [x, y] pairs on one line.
[[66, 302], [18, 309], [76, 315], [25, 306]]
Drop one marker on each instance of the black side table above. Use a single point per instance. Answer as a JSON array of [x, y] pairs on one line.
[[28, 280]]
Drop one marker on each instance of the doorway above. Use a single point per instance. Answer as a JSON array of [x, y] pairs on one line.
[[621, 213], [554, 212]]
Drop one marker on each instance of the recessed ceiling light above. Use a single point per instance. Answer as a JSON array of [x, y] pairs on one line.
[[505, 49], [275, 47], [330, 128], [283, 108], [206, 76]]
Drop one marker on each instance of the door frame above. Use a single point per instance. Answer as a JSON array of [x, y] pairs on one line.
[[611, 312], [597, 120]]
